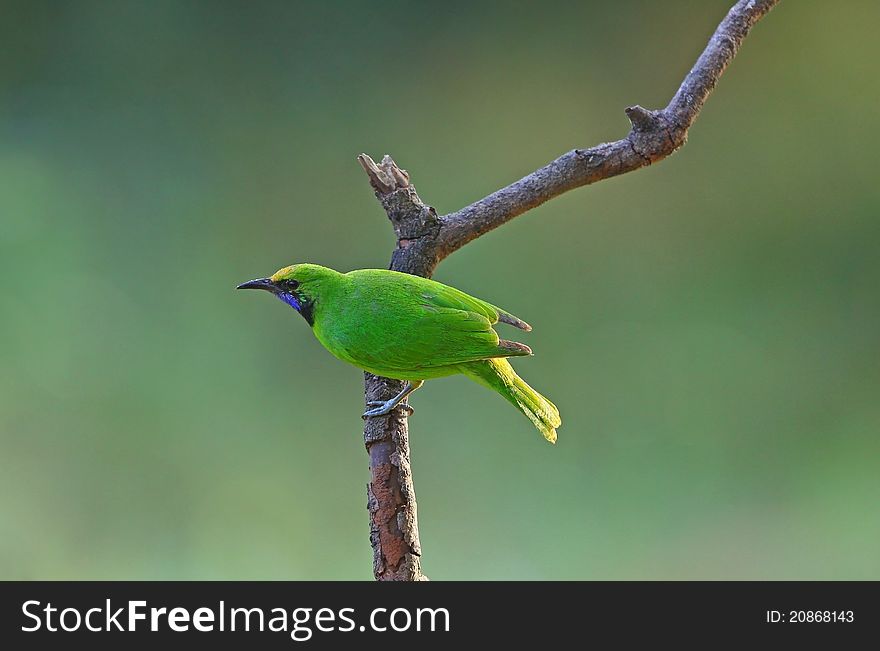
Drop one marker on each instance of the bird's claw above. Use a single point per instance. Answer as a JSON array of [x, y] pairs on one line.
[[384, 407]]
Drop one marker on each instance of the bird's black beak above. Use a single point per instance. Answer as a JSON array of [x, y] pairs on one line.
[[259, 283]]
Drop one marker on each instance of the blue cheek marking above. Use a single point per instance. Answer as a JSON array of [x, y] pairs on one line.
[[291, 300]]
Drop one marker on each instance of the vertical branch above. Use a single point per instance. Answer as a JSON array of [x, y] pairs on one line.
[[391, 496]]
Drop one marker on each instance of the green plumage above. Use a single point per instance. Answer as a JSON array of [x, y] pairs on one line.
[[410, 328]]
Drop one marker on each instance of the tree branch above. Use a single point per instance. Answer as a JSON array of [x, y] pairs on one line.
[[391, 496], [654, 135], [424, 239]]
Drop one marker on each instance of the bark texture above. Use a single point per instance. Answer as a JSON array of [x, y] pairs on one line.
[[424, 239]]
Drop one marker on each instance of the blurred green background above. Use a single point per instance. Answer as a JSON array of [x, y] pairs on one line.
[[709, 327]]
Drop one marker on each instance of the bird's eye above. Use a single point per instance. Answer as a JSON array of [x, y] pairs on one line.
[[290, 284]]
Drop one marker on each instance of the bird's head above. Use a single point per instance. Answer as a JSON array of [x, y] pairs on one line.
[[297, 285]]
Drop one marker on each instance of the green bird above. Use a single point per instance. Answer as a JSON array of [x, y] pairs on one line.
[[409, 328]]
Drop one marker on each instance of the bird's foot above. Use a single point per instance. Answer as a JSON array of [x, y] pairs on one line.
[[385, 407]]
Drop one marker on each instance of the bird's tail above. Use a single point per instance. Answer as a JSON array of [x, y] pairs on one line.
[[498, 375]]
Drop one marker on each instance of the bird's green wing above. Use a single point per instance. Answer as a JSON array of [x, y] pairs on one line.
[[433, 325], [444, 296], [440, 336]]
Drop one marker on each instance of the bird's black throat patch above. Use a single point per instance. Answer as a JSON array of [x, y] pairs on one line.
[[307, 309]]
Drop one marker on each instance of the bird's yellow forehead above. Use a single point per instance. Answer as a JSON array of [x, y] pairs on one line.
[[284, 273]]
